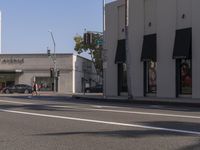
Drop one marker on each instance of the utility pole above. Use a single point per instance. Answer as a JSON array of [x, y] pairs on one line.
[[53, 57], [127, 50]]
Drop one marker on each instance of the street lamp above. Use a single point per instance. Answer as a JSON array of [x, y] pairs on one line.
[[53, 58]]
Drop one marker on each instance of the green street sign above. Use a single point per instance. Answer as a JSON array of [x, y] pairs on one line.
[[99, 42]]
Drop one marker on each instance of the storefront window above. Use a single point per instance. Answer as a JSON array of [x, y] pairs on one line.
[[151, 77], [45, 83], [122, 78], [185, 76], [7, 79]]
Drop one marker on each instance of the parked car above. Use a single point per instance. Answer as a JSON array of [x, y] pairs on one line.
[[94, 89], [18, 88]]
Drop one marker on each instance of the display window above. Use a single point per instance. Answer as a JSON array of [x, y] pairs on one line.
[[185, 76], [122, 78], [7, 79], [150, 77], [44, 83]]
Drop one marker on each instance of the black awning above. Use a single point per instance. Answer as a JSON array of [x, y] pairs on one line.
[[183, 44], [120, 56], [149, 48]]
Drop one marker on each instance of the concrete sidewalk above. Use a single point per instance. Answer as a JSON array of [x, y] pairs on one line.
[[40, 93], [187, 101]]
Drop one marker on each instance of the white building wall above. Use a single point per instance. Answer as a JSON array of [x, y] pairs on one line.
[[65, 82], [27, 77], [166, 28], [73, 74], [79, 73], [195, 49], [183, 7], [150, 16], [121, 21], [165, 16], [113, 33], [136, 33], [38, 65]]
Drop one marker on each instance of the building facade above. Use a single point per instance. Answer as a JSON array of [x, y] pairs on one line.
[[160, 48], [74, 71]]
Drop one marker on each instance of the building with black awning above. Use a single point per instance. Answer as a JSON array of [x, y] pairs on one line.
[[163, 46], [183, 44], [183, 55], [120, 56], [120, 60], [149, 48]]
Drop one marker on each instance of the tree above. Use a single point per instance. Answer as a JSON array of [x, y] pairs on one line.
[[94, 49]]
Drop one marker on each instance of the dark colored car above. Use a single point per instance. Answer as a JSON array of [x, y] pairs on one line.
[[18, 88], [94, 89]]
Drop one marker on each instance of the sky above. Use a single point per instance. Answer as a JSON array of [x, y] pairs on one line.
[[26, 24]]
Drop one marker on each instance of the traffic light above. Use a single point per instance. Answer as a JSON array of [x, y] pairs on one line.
[[88, 38], [48, 52], [51, 72]]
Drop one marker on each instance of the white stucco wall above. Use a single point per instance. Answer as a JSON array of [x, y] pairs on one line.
[[38, 65], [136, 33], [166, 26], [78, 73], [166, 16], [196, 48], [112, 35]]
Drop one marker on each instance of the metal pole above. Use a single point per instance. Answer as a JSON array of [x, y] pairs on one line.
[[127, 50], [54, 62], [103, 52]]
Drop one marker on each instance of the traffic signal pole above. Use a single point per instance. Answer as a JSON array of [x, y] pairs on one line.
[[54, 63], [127, 50]]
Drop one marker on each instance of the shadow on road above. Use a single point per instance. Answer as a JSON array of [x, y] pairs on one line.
[[43, 107], [195, 127]]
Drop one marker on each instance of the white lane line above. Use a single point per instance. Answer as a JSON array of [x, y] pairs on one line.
[[103, 106], [12, 102], [132, 112], [112, 110], [103, 122], [97, 106]]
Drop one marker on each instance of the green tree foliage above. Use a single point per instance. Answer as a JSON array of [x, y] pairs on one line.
[[93, 49]]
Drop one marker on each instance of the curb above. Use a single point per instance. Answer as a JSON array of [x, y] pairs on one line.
[[142, 101]]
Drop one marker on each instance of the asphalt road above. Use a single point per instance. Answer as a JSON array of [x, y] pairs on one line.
[[64, 123]]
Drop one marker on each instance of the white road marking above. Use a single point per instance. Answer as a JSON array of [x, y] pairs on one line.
[[132, 112], [15, 102], [103, 106], [111, 110], [103, 122], [97, 106]]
